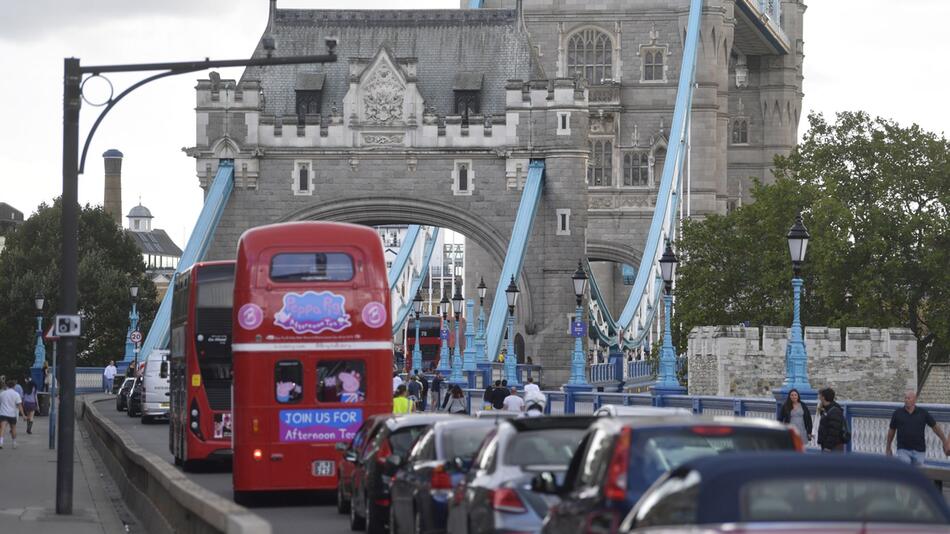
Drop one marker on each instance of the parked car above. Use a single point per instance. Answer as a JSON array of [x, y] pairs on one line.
[[783, 493], [620, 458], [619, 410], [346, 465], [424, 478], [122, 398], [495, 495], [369, 499], [134, 405], [155, 390]]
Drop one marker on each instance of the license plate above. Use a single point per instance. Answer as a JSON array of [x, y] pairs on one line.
[[323, 468], [164, 405]]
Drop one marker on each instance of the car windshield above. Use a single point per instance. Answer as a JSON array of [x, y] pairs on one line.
[[835, 499], [655, 451], [464, 442], [553, 446], [401, 440]]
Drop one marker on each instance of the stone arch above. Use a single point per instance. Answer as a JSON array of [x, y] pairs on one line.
[[388, 210], [599, 250], [225, 148]]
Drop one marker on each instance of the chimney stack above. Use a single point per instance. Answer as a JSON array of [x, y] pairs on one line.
[[112, 197]]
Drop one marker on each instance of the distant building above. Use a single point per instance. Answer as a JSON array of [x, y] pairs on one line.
[[10, 218], [159, 252]]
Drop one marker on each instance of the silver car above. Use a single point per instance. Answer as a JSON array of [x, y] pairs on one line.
[[495, 495]]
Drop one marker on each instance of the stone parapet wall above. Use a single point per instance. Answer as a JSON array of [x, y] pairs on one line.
[[936, 386], [871, 364]]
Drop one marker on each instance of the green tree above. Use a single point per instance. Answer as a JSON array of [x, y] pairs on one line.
[[874, 196], [109, 262]]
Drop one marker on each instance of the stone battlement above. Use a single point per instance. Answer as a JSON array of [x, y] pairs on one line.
[[867, 364]]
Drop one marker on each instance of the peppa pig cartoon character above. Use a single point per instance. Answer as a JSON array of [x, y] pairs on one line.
[[350, 381], [285, 390]]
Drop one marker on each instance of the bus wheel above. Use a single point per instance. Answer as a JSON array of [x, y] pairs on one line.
[[356, 521], [342, 505]]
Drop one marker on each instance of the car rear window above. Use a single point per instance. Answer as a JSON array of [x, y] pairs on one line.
[[836, 499], [311, 266], [655, 451], [464, 442], [401, 439], [547, 447]]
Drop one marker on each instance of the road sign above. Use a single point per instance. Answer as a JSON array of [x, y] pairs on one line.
[[51, 334], [444, 334], [67, 325], [136, 337], [578, 329]]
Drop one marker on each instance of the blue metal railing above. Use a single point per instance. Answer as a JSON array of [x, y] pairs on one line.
[[90, 380], [514, 258], [198, 243], [417, 279]]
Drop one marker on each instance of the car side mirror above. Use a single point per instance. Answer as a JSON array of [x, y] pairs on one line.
[[342, 446], [393, 463], [349, 456], [545, 482]]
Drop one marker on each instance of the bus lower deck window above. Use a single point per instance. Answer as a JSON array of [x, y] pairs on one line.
[[341, 381], [288, 381]]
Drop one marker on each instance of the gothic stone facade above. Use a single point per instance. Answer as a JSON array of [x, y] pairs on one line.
[[431, 117]]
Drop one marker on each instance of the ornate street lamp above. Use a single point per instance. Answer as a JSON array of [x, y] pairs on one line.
[[796, 366], [39, 352], [416, 350], [579, 281], [444, 306], [511, 359], [666, 381], [481, 357], [457, 302], [131, 346]]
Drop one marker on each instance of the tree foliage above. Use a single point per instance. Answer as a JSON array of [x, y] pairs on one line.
[[874, 196], [109, 262]]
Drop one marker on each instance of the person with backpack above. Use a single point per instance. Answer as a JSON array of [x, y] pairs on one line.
[[833, 430], [455, 401], [498, 394], [437, 390], [424, 399]]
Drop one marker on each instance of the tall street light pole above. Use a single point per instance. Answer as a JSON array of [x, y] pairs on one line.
[[133, 325], [511, 359], [416, 350], [39, 352], [481, 358], [73, 74], [796, 374], [457, 301], [444, 305], [666, 381], [579, 283]]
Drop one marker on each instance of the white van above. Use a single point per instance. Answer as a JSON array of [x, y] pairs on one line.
[[155, 392]]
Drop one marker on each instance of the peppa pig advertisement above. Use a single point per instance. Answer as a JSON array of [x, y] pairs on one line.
[[319, 426]]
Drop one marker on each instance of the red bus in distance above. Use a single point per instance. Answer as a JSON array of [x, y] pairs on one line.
[[312, 349], [200, 376]]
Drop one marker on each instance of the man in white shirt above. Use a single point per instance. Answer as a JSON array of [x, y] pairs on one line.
[[109, 375], [514, 403], [11, 407], [531, 387], [397, 381]]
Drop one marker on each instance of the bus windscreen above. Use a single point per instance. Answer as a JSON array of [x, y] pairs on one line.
[[311, 266]]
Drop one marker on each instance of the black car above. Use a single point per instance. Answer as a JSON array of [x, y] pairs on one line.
[[369, 501], [422, 486], [122, 398], [135, 398], [619, 459], [347, 465], [791, 493]]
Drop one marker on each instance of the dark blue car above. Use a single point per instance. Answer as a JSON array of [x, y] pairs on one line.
[[422, 486]]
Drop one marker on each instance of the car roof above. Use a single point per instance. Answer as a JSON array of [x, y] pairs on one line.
[[396, 422], [458, 423], [654, 411], [525, 424], [673, 420]]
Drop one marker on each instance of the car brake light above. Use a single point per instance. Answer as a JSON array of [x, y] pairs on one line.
[[616, 487], [440, 480], [258, 454], [796, 440], [712, 430], [384, 451], [507, 500]]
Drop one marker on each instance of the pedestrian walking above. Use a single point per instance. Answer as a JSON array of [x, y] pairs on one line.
[[513, 403], [437, 390], [498, 394], [424, 399], [487, 397], [11, 407], [401, 402], [531, 387], [397, 381], [414, 388], [29, 403], [108, 376], [454, 402], [832, 428], [47, 376], [18, 387], [795, 413], [909, 423]]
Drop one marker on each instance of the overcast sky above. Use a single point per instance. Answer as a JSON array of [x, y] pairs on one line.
[[884, 56]]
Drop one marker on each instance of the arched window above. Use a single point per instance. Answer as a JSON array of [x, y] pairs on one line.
[[740, 131], [600, 167], [636, 169], [590, 56], [653, 65]]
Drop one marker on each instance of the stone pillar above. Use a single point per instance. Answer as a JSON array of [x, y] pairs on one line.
[[112, 196]]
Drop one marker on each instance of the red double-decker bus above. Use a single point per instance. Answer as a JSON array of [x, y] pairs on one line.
[[200, 379], [312, 351]]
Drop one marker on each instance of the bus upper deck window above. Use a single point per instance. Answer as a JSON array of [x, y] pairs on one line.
[[311, 266], [341, 381], [288, 381]]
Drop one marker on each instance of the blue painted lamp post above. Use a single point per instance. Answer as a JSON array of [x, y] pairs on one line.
[[796, 368], [579, 281], [416, 350], [457, 301], [666, 381], [469, 355], [511, 359], [481, 358], [133, 326], [39, 353], [444, 335]]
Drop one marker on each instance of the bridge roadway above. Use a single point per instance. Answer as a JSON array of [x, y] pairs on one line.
[[286, 512]]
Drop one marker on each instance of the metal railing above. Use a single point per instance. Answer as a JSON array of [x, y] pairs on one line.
[[89, 380]]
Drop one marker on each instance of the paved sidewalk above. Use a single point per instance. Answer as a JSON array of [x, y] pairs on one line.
[[28, 488]]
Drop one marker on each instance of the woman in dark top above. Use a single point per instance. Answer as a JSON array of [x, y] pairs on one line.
[[795, 413]]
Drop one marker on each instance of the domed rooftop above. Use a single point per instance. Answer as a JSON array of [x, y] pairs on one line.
[[140, 211], [112, 153]]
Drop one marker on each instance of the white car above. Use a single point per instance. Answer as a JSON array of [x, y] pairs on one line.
[[155, 391], [619, 410]]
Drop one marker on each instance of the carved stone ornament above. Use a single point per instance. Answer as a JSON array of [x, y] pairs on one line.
[[383, 96], [383, 139]]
